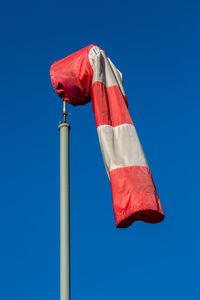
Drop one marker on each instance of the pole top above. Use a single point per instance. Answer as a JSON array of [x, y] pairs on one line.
[[62, 124], [65, 114]]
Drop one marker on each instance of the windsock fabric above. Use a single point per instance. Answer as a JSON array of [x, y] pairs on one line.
[[89, 75]]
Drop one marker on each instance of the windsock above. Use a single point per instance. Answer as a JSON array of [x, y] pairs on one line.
[[89, 75]]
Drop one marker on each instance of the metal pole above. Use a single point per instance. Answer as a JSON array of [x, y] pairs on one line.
[[64, 209]]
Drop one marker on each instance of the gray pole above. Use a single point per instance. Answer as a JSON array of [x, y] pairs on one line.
[[64, 209]]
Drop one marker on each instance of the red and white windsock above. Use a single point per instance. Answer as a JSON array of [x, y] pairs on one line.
[[89, 75]]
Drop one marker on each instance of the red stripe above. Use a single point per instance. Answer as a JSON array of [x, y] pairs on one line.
[[109, 105], [134, 196]]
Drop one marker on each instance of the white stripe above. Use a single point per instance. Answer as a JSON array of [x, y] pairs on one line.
[[120, 146], [104, 70]]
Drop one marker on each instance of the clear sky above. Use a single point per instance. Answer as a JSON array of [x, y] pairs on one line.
[[156, 45]]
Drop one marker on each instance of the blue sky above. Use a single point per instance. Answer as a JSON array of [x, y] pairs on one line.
[[156, 46]]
